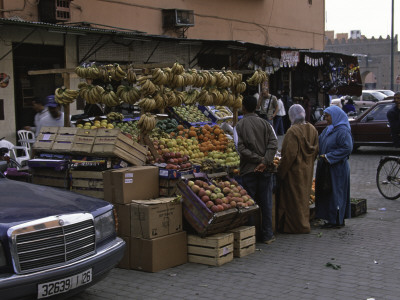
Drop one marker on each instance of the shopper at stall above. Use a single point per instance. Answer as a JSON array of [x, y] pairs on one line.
[[55, 116], [268, 105], [332, 180], [41, 112], [295, 173], [257, 145], [278, 120], [393, 116], [349, 106]]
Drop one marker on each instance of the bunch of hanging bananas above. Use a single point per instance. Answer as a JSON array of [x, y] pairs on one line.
[[258, 77], [110, 98], [190, 96], [128, 94], [92, 72], [240, 87], [147, 104], [147, 123], [205, 98], [131, 74], [159, 76], [177, 68], [147, 87], [237, 102], [177, 81], [115, 116], [65, 96], [115, 71], [90, 93]]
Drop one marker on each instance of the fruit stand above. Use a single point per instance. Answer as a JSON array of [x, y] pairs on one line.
[[178, 132]]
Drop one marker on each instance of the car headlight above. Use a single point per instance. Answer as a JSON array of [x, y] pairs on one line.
[[3, 260], [105, 226]]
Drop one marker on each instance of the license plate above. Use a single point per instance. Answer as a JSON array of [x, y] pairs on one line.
[[64, 285]]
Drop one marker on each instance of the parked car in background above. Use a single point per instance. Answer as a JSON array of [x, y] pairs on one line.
[[388, 93], [367, 99], [53, 242], [371, 128]]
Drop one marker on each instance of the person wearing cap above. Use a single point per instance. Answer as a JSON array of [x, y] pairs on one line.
[[41, 112], [55, 116]]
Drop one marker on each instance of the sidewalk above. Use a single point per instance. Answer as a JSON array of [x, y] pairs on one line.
[[294, 266]]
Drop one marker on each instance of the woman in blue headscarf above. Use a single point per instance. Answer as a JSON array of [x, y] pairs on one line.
[[332, 180]]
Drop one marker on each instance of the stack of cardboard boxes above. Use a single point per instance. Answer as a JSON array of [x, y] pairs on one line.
[[151, 226]]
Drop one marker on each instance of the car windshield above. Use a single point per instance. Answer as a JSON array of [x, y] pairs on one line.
[[377, 95], [387, 92], [379, 113]]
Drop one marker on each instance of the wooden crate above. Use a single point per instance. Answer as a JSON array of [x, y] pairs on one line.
[[45, 139], [51, 177], [168, 187], [111, 142], [214, 250], [88, 183], [64, 140], [244, 240], [358, 207], [83, 141]]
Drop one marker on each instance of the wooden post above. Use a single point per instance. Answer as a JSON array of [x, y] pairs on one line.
[[66, 106], [235, 116]]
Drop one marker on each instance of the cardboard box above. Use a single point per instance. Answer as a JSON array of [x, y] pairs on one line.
[[160, 253], [155, 218], [124, 219], [133, 183], [112, 142], [88, 183], [83, 141]]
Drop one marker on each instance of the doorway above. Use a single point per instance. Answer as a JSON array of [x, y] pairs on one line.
[[29, 57]]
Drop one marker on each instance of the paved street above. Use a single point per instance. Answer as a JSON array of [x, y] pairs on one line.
[[294, 267]]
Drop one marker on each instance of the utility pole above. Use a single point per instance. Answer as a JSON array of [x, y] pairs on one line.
[[392, 52]]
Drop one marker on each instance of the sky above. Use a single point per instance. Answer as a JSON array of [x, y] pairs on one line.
[[372, 17]]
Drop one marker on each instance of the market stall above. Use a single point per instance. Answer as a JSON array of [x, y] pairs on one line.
[[174, 151]]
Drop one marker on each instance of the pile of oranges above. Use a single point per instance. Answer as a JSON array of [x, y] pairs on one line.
[[209, 138]]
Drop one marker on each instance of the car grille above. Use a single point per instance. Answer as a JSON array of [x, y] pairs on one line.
[[51, 245]]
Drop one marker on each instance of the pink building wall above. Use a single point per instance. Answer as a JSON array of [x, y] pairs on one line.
[[284, 23]]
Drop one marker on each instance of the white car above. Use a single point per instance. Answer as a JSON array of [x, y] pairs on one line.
[[388, 93], [366, 100]]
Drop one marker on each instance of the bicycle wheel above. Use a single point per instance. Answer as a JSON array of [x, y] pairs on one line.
[[388, 178]]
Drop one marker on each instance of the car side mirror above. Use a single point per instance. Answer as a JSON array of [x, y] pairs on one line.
[[370, 118]]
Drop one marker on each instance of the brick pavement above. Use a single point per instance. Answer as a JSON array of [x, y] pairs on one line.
[[294, 267]]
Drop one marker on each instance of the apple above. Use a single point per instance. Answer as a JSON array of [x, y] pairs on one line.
[[205, 199], [209, 204], [201, 193], [190, 183]]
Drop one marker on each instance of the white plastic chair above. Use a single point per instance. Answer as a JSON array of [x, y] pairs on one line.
[[26, 138], [13, 150]]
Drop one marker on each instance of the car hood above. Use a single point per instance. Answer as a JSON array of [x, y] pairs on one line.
[[21, 202]]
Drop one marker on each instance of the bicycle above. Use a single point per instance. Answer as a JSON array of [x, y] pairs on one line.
[[388, 177]]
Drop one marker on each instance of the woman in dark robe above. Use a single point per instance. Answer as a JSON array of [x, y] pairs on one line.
[[332, 181], [295, 172]]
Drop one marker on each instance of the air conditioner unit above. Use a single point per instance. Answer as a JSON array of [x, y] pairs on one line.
[[173, 18], [54, 11]]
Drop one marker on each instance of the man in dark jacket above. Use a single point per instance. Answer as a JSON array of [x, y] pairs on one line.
[[257, 145], [393, 116]]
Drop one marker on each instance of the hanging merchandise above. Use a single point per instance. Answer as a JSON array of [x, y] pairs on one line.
[[290, 58]]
